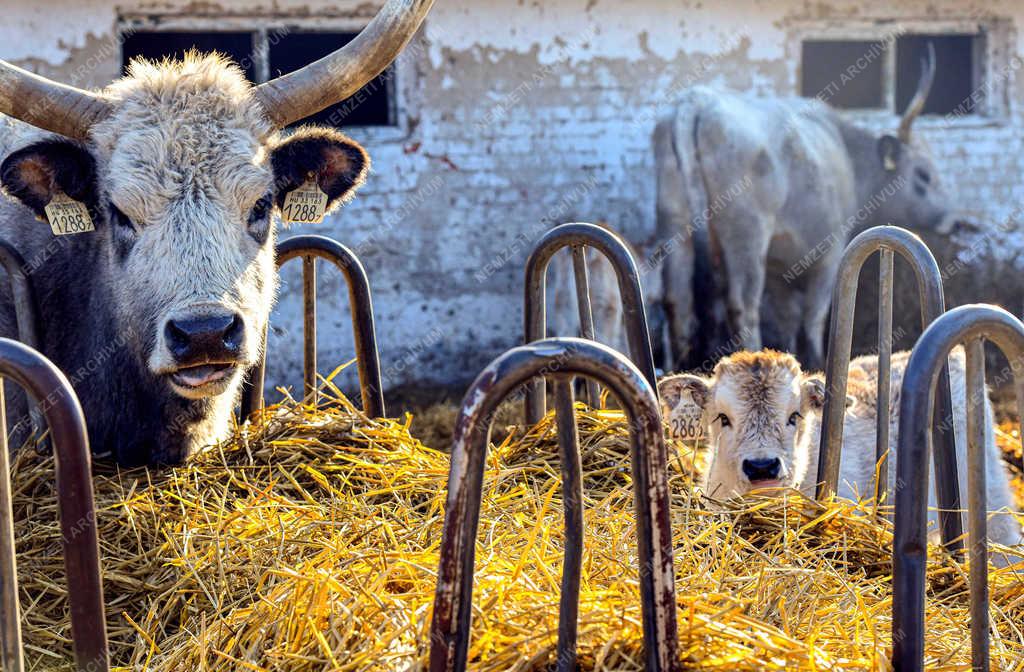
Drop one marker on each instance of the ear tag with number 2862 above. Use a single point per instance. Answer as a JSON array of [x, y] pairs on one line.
[[67, 216], [306, 204]]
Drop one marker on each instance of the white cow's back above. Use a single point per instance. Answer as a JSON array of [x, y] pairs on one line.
[[857, 464]]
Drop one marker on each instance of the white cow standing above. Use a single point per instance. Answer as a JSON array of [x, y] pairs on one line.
[[761, 416]]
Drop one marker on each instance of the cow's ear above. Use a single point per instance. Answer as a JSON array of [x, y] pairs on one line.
[[889, 148], [812, 391], [674, 390], [33, 174], [338, 163], [683, 400]]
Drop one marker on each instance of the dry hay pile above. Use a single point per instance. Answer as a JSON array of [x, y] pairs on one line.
[[309, 542], [1008, 440]]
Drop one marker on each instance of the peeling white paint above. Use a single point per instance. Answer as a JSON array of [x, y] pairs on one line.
[[516, 104], [49, 31], [610, 29]]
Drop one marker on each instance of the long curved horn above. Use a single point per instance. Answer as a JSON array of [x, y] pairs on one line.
[[916, 104], [340, 74], [50, 105]]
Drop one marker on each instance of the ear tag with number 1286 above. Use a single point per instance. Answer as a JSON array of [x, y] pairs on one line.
[[306, 204], [67, 216]]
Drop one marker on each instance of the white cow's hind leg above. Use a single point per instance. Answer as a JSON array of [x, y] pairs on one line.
[[745, 269]]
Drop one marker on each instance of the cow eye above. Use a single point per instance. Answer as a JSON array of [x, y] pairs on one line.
[[259, 219], [793, 418], [121, 220], [923, 175], [724, 419]]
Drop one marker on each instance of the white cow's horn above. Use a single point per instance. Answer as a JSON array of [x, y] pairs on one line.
[[50, 105], [916, 104], [340, 74]]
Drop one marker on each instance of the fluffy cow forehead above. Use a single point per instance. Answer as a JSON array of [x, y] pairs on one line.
[[189, 126], [766, 384]]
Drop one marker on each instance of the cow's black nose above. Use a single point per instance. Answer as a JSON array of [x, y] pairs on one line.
[[762, 470], [205, 338]]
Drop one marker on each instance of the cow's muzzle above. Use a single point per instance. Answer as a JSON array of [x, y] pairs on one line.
[[206, 349]]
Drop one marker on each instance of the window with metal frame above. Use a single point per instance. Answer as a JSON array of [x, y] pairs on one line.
[[883, 74], [267, 53]]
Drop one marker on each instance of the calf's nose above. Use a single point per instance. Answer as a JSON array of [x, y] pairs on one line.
[[766, 469], [197, 339]]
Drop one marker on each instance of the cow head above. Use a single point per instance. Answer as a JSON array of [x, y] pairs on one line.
[[182, 168], [182, 180], [907, 191], [757, 412]]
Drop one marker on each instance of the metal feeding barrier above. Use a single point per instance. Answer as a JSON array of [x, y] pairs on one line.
[[969, 326], [26, 313], [887, 241], [561, 359], [47, 386], [579, 236], [309, 248]]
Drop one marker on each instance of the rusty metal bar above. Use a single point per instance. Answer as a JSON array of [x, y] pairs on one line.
[[26, 312], [309, 247], [885, 299], [966, 325], [586, 311], [46, 385], [10, 613], [976, 510], [309, 328], [563, 357], [572, 497], [618, 254], [25, 309], [929, 285]]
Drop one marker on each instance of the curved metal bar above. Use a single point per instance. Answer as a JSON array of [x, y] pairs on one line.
[[967, 325], [47, 386], [886, 240], [585, 310], [563, 358], [308, 247], [577, 235], [26, 311]]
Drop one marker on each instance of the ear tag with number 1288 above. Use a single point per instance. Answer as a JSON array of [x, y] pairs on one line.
[[67, 216], [306, 204]]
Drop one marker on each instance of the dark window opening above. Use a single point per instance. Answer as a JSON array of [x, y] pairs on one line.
[[157, 45], [370, 106], [955, 81], [286, 51], [844, 73]]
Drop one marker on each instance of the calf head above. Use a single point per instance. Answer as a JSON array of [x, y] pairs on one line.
[[756, 413], [181, 181]]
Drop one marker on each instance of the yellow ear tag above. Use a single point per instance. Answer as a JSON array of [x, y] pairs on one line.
[[67, 216], [686, 420], [305, 204]]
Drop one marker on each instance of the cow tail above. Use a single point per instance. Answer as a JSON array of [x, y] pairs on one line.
[[684, 142]]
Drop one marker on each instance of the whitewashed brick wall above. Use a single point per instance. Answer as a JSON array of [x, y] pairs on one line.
[[516, 116]]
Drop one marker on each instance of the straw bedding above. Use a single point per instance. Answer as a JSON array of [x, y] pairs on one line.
[[309, 542]]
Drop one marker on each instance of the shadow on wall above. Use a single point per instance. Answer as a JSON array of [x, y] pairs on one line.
[[972, 272]]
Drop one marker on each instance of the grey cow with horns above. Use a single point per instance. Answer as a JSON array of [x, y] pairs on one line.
[[158, 312], [762, 195]]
